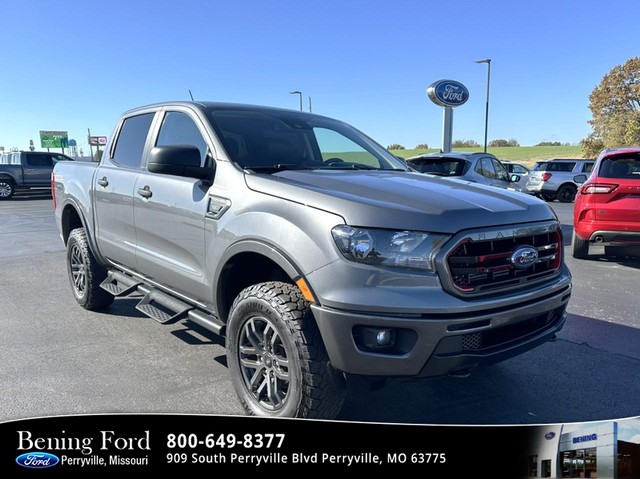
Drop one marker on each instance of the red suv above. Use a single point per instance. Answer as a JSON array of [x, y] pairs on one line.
[[607, 207]]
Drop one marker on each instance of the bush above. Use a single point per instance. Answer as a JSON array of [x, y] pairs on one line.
[[422, 146], [395, 146]]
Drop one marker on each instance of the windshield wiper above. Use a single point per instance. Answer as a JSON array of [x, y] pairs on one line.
[[347, 166], [277, 167]]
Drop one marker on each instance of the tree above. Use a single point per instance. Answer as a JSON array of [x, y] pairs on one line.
[[464, 144], [422, 146], [615, 109], [395, 146]]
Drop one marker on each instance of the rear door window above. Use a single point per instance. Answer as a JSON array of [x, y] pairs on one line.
[[39, 159], [131, 140], [587, 167]]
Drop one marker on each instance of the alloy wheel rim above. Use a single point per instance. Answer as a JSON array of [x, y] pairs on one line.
[[78, 270], [5, 190], [264, 362]]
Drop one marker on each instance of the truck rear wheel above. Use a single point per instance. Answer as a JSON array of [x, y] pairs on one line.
[[277, 360], [85, 273], [7, 189]]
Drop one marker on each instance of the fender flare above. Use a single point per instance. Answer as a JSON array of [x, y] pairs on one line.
[[89, 233], [260, 247]]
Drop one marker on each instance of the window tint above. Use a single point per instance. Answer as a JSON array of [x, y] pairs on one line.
[[485, 168], [179, 129], [501, 171], [266, 138], [130, 143], [587, 167], [558, 166], [621, 167], [39, 159]]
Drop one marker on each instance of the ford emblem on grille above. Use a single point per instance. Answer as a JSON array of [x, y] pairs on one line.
[[524, 257]]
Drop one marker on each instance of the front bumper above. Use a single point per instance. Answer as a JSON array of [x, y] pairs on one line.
[[443, 343]]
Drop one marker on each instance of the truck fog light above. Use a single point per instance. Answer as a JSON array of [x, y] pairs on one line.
[[383, 337], [372, 339]]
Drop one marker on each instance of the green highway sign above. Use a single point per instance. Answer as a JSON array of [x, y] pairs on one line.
[[54, 139]]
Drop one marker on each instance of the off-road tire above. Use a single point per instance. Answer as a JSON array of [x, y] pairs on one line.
[[278, 363], [579, 247], [85, 273]]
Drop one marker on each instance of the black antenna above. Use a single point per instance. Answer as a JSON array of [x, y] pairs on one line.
[[191, 95]]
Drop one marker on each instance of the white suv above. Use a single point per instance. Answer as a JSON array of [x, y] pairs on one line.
[[553, 179]]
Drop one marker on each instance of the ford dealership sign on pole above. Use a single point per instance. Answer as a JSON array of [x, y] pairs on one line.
[[448, 94]]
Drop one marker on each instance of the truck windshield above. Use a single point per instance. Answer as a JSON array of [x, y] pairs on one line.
[[272, 140]]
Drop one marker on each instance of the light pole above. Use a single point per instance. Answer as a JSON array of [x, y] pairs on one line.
[[486, 113], [299, 93]]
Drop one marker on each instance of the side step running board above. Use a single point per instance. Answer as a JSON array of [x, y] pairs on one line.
[[162, 307], [207, 321], [119, 284]]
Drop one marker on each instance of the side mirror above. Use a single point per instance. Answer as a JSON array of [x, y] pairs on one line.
[[580, 179], [182, 160], [514, 178]]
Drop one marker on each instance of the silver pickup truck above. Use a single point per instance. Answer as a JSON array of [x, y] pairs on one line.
[[319, 256]]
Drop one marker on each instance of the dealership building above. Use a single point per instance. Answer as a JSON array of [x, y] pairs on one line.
[[583, 450]]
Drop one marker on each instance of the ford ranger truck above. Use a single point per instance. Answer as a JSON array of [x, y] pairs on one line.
[[321, 258]]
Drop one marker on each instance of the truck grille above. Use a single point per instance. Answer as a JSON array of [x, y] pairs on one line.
[[491, 265]]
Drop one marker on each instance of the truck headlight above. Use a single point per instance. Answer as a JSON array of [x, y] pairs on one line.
[[399, 249]]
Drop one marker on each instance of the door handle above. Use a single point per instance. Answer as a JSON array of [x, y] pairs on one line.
[[103, 181], [145, 192]]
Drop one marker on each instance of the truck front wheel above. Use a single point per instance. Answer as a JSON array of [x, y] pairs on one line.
[[85, 273], [277, 360]]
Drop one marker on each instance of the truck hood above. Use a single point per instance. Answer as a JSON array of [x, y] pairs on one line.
[[402, 200]]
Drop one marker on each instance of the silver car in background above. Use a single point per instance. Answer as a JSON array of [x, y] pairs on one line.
[[483, 168]]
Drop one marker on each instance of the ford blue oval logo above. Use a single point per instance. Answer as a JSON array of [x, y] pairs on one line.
[[448, 93], [524, 257], [550, 435], [37, 460]]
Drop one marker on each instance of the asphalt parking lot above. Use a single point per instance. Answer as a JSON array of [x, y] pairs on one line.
[[56, 358]]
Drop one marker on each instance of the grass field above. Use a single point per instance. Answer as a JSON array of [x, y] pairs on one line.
[[526, 155]]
